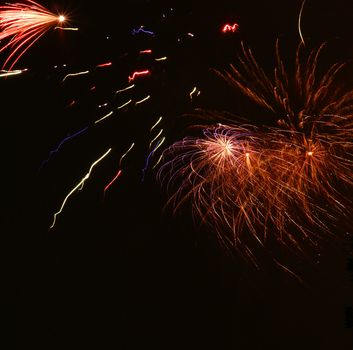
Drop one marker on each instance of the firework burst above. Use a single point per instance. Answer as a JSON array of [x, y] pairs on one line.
[[286, 181], [23, 24]]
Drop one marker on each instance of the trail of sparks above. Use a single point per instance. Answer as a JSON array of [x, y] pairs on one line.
[[111, 182], [125, 89], [119, 171], [154, 139], [11, 73], [105, 117], [161, 58], [143, 100], [299, 22], [194, 90], [159, 143], [67, 28], [230, 28], [146, 51], [142, 30], [158, 161], [103, 65], [156, 123], [78, 186], [138, 74], [126, 153], [51, 153], [75, 74], [125, 104]]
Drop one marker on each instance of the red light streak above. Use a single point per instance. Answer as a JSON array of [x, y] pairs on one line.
[[114, 179], [138, 73], [108, 64], [230, 28]]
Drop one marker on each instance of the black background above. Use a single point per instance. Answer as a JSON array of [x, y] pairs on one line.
[[120, 272]]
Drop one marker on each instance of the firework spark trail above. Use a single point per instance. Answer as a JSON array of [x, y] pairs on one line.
[[74, 29], [143, 100], [124, 104], [104, 117], [125, 89], [23, 24], [164, 58], [75, 74], [194, 91], [78, 186], [119, 171], [149, 51], [300, 22], [112, 181], [103, 65], [51, 153], [159, 143], [140, 30], [156, 123], [5, 74], [138, 74], [230, 28], [155, 138]]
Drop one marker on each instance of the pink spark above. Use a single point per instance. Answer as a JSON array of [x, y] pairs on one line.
[[146, 51]]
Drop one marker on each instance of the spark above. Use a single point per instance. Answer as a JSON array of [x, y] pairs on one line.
[[79, 185], [143, 100], [194, 90], [105, 117], [230, 28], [51, 153], [119, 171], [126, 153], [73, 29], [127, 88], [5, 73], [299, 22], [23, 24], [146, 51], [159, 134], [137, 74], [71, 104], [75, 74], [108, 64], [112, 181], [159, 143], [125, 104], [191, 35], [158, 161], [157, 122], [142, 30], [161, 58]]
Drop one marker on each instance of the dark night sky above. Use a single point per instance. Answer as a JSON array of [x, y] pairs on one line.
[[121, 273]]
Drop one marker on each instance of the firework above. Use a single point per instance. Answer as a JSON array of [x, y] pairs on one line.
[[285, 181], [23, 24]]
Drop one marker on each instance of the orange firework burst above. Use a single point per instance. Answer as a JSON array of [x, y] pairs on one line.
[[288, 181], [23, 24]]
